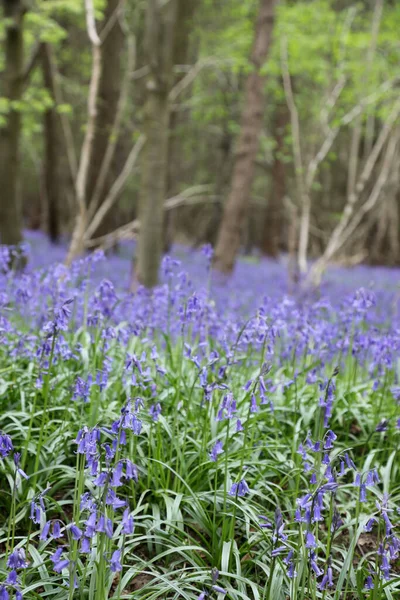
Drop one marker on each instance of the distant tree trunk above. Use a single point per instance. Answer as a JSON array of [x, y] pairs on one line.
[[273, 220], [160, 27], [107, 105], [51, 165], [235, 209], [181, 56], [10, 206]]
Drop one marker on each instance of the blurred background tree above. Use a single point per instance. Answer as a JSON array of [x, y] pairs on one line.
[[85, 154]]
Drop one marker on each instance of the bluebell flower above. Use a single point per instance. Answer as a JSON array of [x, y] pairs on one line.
[[4, 595], [6, 445], [253, 404], [310, 540], [277, 551], [382, 426], [76, 533], [219, 589], [115, 564], [12, 578], [313, 563], [239, 489], [155, 411], [82, 389], [59, 563], [370, 524], [127, 522], [363, 492], [349, 462], [329, 439], [17, 559], [369, 583], [327, 580], [217, 449], [85, 545]]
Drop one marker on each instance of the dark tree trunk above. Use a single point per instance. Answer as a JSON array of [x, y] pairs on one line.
[[107, 104], [236, 206], [10, 204], [51, 164], [181, 56], [160, 30], [274, 216]]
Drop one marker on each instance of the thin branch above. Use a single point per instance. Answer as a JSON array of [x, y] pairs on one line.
[[189, 78], [116, 188], [91, 23], [345, 227], [111, 21]]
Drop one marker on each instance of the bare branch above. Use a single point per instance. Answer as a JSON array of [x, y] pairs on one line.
[[189, 78], [347, 223], [91, 23], [116, 189]]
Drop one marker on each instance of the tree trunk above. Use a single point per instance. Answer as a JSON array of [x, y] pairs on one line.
[[181, 56], [107, 105], [236, 207], [160, 26], [10, 204], [273, 220], [51, 149]]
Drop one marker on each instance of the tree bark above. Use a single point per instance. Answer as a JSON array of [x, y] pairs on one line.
[[160, 28], [181, 56], [51, 165], [273, 219], [236, 207], [10, 202], [107, 106]]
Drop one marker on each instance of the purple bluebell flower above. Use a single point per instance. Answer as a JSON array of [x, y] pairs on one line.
[[17, 559], [6, 445], [76, 533], [369, 583], [127, 522], [327, 580], [239, 426], [382, 426], [310, 540], [155, 412], [313, 564], [4, 595], [329, 439], [217, 449], [239, 489], [115, 564]]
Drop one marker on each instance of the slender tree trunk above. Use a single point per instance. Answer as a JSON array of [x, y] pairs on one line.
[[51, 147], [273, 220], [160, 27], [10, 205], [107, 105], [236, 207]]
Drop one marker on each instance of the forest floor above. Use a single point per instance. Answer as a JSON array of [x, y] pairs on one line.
[[212, 439]]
